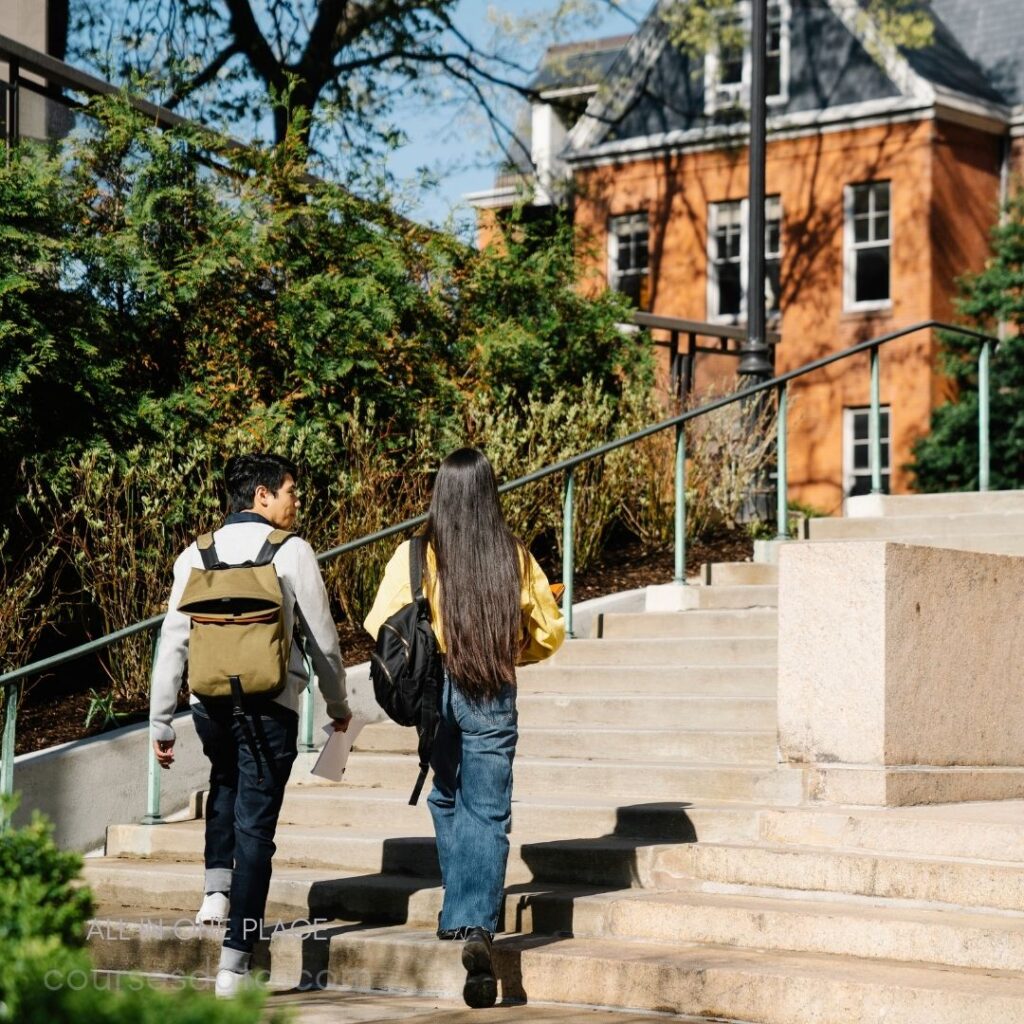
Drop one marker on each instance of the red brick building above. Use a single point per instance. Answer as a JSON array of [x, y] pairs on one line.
[[885, 169]]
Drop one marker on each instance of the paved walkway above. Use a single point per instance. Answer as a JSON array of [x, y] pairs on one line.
[[359, 1008]]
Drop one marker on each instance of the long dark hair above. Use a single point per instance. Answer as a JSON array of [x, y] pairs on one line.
[[478, 573]]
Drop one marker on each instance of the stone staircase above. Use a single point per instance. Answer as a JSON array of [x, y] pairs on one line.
[[662, 859]]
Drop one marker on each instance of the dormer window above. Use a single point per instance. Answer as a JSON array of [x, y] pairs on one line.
[[727, 69]]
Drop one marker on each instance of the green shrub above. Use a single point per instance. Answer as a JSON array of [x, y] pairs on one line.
[[947, 457], [46, 976], [157, 317]]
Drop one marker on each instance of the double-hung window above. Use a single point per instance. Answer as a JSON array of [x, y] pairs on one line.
[[727, 68], [868, 246], [857, 450], [727, 257], [628, 257]]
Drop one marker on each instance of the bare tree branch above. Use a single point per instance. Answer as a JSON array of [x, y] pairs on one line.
[[208, 74], [247, 35]]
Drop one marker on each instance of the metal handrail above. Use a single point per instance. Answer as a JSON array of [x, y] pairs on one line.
[[777, 384]]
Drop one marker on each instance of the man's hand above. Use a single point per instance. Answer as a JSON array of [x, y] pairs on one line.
[[341, 724], [164, 750]]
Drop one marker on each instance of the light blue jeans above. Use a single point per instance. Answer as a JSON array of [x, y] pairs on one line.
[[471, 803]]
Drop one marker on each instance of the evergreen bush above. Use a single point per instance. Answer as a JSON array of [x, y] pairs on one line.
[[946, 459], [46, 976]]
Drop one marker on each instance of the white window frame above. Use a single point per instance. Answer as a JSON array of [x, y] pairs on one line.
[[613, 246], [850, 474], [725, 97], [714, 213], [713, 315], [850, 247]]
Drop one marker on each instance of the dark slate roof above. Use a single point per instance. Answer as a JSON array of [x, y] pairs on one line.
[[578, 64], [991, 34], [977, 50], [828, 68]]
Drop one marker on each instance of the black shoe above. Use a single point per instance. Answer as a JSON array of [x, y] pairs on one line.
[[449, 934], [481, 988]]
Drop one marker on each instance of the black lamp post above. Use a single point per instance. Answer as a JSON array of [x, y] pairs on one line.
[[754, 351]]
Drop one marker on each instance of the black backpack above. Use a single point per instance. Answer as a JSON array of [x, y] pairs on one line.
[[406, 666]]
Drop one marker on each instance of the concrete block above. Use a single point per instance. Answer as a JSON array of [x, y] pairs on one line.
[[900, 657]]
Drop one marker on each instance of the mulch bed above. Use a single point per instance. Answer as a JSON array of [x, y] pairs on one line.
[[50, 715]]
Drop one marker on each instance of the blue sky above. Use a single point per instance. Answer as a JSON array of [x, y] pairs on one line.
[[452, 141], [455, 145]]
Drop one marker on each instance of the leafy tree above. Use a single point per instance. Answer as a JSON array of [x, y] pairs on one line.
[[240, 60], [172, 302], [947, 458], [59, 377], [235, 59], [535, 330]]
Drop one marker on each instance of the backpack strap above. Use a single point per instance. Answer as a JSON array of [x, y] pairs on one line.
[[275, 540], [416, 561], [207, 551], [426, 728], [238, 714]]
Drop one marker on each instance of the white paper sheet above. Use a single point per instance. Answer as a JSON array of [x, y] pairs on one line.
[[334, 755]]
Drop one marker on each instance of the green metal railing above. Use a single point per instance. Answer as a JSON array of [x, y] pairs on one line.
[[778, 386]]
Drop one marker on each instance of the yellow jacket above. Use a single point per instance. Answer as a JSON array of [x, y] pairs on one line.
[[543, 625]]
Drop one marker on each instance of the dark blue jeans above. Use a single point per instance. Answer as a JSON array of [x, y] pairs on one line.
[[242, 813], [471, 803]]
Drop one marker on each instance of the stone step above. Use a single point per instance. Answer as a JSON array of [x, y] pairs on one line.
[[577, 815], [953, 503], [745, 622], [983, 831], [951, 527], [724, 651], [747, 680], [871, 930], [596, 742], [962, 882], [737, 699], [988, 544], [867, 929], [704, 981], [672, 597], [739, 574], [169, 891], [604, 860], [629, 780]]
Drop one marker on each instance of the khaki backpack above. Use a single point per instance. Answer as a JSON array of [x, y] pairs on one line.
[[237, 642]]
